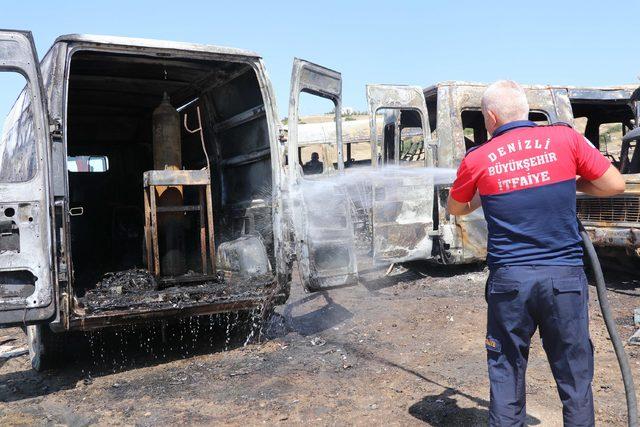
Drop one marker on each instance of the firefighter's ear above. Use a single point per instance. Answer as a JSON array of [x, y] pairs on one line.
[[490, 121]]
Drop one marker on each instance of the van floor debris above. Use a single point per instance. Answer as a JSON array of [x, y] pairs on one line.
[[401, 348], [130, 289]]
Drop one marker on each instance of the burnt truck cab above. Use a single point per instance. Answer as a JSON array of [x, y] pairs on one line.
[[82, 197], [454, 124]]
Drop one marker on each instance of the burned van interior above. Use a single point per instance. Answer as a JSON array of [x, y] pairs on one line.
[[110, 136], [604, 123], [475, 132], [410, 139]]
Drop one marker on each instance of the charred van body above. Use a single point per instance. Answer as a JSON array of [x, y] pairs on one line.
[[129, 167], [455, 123]]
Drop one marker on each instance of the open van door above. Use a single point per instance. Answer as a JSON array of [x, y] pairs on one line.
[[323, 228], [26, 269], [403, 199]]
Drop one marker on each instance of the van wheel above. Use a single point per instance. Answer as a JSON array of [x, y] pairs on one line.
[[45, 347]]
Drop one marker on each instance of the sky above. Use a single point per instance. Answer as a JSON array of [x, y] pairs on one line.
[[405, 42]]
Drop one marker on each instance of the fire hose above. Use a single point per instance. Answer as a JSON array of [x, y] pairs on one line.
[[607, 314]]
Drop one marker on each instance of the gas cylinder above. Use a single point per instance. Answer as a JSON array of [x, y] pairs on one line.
[[167, 155]]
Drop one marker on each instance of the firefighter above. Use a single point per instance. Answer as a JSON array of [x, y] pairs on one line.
[[525, 179]]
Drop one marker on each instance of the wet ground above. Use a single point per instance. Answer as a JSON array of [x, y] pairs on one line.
[[400, 350]]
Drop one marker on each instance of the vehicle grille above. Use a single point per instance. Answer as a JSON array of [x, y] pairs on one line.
[[611, 209]]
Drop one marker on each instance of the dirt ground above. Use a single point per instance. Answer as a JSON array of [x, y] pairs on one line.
[[398, 350]]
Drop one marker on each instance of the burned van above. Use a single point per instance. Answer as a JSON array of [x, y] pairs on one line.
[[435, 127], [141, 179], [607, 117], [451, 121]]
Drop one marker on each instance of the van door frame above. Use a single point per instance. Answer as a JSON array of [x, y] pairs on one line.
[[398, 98], [37, 239], [396, 238], [319, 81], [310, 240]]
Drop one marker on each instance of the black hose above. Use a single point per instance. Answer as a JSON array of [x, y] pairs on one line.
[[623, 361]]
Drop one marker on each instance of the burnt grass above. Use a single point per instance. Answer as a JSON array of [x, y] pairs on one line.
[[404, 349]]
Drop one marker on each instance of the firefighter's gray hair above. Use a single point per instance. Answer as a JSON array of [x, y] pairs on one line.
[[507, 100]]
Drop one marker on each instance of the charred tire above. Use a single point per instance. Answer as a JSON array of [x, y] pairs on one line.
[[46, 348]]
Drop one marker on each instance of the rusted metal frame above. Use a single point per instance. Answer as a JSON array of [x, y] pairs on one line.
[[176, 177], [212, 243], [122, 317], [241, 118], [203, 230], [154, 231], [613, 235], [186, 178], [623, 225], [147, 228]]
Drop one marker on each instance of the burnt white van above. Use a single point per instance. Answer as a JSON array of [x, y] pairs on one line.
[[144, 179]]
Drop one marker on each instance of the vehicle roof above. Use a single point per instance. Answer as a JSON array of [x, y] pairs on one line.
[[575, 89], [155, 44]]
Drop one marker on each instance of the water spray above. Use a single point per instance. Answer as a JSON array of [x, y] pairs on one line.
[[354, 179]]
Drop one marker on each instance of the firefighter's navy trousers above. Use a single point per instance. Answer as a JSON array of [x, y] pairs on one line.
[[554, 299]]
